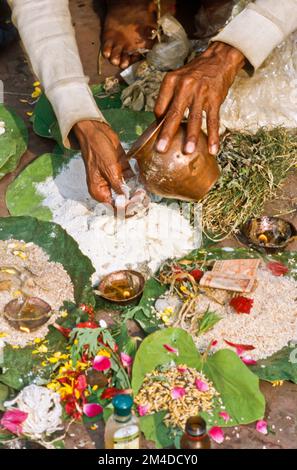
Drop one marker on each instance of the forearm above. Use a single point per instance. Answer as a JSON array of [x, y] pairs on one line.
[[48, 36], [258, 29]]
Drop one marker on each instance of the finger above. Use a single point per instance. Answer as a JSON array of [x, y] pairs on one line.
[[194, 125], [172, 121], [213, 117], [166, 94], [98, 187], [107, 48], [115, 57], [125, 60]]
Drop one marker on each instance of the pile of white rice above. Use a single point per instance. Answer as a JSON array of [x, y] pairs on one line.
[[271, 324]]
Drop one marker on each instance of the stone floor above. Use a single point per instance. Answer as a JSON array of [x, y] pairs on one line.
[[14, 71]]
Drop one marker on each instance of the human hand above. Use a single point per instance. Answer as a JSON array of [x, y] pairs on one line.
[[201, 85], [105, 160]]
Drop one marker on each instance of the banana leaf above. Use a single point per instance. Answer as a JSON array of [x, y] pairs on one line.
[[14, 142], [237, 385], [58, 245]]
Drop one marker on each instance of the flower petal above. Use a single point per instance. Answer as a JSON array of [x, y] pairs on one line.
[[13, 419], [248, 360], [224, 415], [201, 386], [241, 304], [243, 347], [261, 426], [143, 409], [277, 268], [197, 274], [170, 349], [127, 360], [216, 433], [101, 363], [181, 369], [92, 409], [178, 392]]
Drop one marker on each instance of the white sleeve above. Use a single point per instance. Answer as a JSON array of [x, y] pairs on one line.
[[48, 36], [260, 27]]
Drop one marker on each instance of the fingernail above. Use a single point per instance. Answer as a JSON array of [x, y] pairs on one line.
[[161, 145], [190, 147], [213, 150]]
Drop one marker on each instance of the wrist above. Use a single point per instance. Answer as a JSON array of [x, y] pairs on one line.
[[231, 58]]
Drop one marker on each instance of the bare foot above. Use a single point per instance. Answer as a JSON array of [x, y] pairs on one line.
[[128, 28]]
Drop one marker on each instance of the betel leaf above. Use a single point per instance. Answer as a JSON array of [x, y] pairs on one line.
[[58, 245], [22, 197], [280, 366], [125, 122], [13, 143], [155, 430], [237, 385]]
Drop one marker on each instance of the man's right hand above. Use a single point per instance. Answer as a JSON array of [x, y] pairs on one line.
[[105, 160]]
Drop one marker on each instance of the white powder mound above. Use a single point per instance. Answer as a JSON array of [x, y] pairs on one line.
[[270, 326], [112, 243]]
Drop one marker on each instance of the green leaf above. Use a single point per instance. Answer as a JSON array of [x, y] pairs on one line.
[[14, 142], [125, 122], [280, 366], [208, 321], [58, 245], [151, 353], [4, 393], [237, 385], [155, 430]]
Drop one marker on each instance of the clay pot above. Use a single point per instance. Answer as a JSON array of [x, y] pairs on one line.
[[175, 174]]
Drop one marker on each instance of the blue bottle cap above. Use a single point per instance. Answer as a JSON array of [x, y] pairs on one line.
[[122, 404]]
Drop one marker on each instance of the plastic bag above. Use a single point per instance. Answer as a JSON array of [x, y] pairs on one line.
[[174, 48], [269, 97]]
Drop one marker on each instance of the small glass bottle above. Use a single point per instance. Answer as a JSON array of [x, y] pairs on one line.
[[195, 435], [122, 428]]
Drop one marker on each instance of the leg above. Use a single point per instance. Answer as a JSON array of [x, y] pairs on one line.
[[128, 28]]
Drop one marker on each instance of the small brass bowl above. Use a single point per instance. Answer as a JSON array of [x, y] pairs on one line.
[[267, 233], [121, 287], [174, 174], [27, 314]]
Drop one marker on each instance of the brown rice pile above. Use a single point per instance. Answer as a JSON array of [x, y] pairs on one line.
[[270, 326], [39, 278], [156, 393]]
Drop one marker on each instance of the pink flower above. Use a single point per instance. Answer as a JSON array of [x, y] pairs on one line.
[[224, 415], [247, 360], [13, 419], [178, 392], [216, 433], [92, 409], [201, 386], [170, 349], [181, 369], [127, 360], [214, 343], [143, 409], [261, 427], [101, 363]]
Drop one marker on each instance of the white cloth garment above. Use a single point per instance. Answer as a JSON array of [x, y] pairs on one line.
[[48, 37]]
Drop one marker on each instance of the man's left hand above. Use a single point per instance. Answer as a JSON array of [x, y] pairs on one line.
[[201, 85]]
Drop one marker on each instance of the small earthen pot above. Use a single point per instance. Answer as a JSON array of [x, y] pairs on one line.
[[175, 174]]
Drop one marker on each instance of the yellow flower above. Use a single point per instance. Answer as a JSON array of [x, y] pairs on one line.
[[37, 92], [277, 383], [94, 388], [37, 340], [44, 363], [29, 113], [94, 427], [55, 386], [64, 313], [75, 341], [103, 352], [2, 334], [14, 346], [37, 83]]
